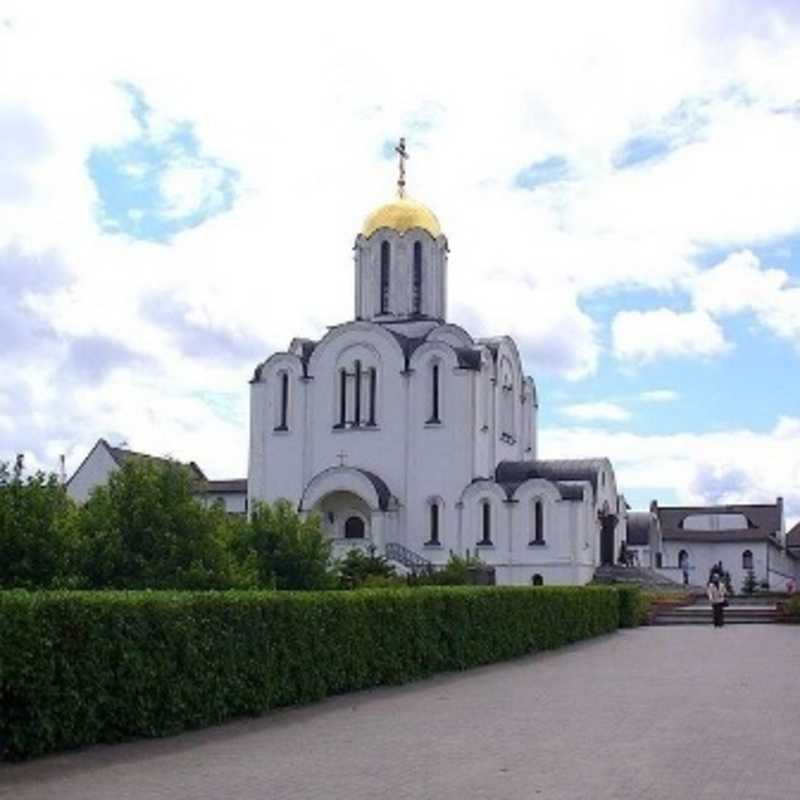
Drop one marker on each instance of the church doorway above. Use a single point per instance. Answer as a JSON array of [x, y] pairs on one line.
[[608, 523], [346, 517], [354, 528]]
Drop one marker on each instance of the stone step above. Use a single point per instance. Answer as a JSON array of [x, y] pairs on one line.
[[702, 615]]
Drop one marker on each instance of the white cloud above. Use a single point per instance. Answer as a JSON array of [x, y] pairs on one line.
[[611, 412], [739, 465], [659, 396], [299, 102], [641, 336], [741, 283]]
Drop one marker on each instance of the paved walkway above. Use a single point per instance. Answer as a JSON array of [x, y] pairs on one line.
[[674, 712]]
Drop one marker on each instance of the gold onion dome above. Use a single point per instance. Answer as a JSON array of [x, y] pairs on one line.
[[402, 214]]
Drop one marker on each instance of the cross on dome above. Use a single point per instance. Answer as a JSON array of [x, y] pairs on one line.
[[401, 151]]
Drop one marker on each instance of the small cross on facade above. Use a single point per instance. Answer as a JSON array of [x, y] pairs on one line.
[[403, 154], [342, 456]]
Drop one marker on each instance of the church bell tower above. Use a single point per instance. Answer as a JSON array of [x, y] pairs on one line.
[[401, 260]]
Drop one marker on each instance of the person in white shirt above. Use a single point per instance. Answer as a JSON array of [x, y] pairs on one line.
[[716, 596]]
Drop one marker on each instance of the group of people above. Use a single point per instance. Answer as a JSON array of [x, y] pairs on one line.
[[718, 593]]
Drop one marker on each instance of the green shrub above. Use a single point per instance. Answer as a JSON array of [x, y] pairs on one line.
[[288, 551], [358, 568], [80, 667], [789, 610], [38, 537], [630, 605]]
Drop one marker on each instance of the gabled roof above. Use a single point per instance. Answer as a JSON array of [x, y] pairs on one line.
[[793, 537], [763, 522], [121, 455]]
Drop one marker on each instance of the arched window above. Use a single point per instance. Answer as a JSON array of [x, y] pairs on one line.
[[683, 559], [354, 528], [385, 268], [537, 580], [434, 393], [373, 395], [283, 417], [747, 560], [538, 523], [417, 289], [357, 394], [486, 523], [433, 512], [342, 397]]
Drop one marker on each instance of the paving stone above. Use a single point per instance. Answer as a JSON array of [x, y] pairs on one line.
[[672, 712]]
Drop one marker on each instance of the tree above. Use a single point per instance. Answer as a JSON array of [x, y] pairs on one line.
[[750, 583], [145, 529], [286, 550], [357, 567], [38, 542]]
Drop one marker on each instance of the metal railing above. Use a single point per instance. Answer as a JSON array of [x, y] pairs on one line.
[[408, 558]]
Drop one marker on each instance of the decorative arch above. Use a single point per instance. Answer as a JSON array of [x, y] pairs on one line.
[[747, 559], [366, 485]]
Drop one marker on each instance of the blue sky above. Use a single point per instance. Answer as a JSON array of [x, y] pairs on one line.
[[172, 214]]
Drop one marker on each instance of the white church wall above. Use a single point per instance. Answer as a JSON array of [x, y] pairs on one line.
[[276, 454], [440, 455], [94, 471], [703, 555], [368, 257]]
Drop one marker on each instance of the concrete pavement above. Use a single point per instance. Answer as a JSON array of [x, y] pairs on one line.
[[672, 713]]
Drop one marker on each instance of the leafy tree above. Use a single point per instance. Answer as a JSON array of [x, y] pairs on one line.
[[358, 568], [145, 529], [286, 550], [38, 542]]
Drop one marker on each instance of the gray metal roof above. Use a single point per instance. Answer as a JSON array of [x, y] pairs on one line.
[[586, 469], [763, 522], [640, 526], [793, 537], [121, 455]]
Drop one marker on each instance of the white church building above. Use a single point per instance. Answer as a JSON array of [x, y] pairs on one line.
[[405, 433]]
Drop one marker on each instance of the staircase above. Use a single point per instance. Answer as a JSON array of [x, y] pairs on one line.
[[634, 576], [412, 561], [741, 611]]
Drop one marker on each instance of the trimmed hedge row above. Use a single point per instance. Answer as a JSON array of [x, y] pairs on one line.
[[78, 668], [632, 606]]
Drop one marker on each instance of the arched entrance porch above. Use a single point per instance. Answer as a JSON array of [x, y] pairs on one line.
[[354, 506]]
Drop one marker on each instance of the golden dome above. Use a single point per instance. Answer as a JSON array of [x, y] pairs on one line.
[[401, 215]]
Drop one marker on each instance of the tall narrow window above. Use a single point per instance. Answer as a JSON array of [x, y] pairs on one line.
[[747, 560], [434, 394], [434, 524], [538, 523], [373, 394], [342, 397], [486, 523], [417, 295], [284, 401], [385, 267], [357, 404]]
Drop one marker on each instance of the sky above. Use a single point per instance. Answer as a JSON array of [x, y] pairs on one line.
[[181, 186]]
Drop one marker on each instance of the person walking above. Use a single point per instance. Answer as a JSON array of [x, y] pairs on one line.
[[716, 596]]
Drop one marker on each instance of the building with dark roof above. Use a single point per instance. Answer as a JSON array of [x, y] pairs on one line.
[[744, 537], [103, 459]]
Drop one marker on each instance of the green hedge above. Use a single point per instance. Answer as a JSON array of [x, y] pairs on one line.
[[79, 667], [630, 606]]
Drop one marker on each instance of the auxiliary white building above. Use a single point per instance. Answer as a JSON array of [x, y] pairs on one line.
[[406, 433]]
